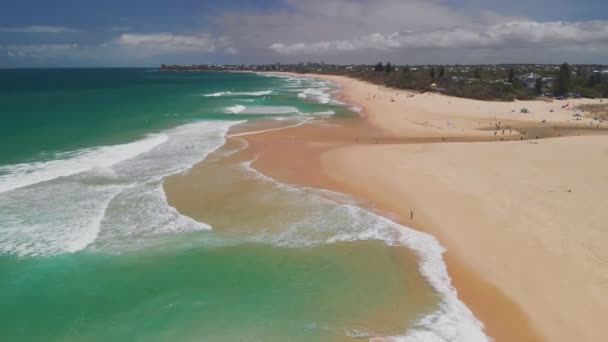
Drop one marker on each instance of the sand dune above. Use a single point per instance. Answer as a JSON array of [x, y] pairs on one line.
[[402, 112]]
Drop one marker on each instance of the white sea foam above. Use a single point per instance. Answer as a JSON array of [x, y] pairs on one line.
[[262, 110], [230, 93], [113, 208], [319, 95], [235, 109], [356, 109], [51, 218], [325, 113], [218, 94], [89, 233], [452, 321], [20, 175]]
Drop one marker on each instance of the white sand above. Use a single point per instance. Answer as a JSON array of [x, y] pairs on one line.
[[528, 216], [433, 114]]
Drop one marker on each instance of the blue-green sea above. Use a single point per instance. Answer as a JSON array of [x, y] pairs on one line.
[[90, 249]]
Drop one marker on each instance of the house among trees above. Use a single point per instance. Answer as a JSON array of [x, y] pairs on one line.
[[529, 80], [548, 82], [600, 75], [537, 82]]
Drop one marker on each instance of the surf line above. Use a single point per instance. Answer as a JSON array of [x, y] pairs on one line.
[[265, 130]]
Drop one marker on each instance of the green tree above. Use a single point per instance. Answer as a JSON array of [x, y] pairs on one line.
[[433, 74], [389, 67], [379, 67], [594, 79], [477, 73], [441, 72], [563, 80], [538, 87], [511, 75]]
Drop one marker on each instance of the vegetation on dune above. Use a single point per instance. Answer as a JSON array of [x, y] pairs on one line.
[[483, 82]]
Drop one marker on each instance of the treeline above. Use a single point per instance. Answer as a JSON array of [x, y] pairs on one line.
[[575, 80], [475, 84], [485, 84]]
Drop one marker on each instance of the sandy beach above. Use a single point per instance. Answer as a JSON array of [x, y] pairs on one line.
[[518, 218], [517, 213], [523, 215]]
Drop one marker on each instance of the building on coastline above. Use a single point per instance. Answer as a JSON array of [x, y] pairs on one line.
[[598, 75], [529, 80], [548, 82]]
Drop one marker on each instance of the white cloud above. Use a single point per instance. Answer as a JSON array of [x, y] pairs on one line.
[[168, 42], [335, 31], [300, 21], [39, 29], [500, 36], [39, 50], [232, 50], [120, 28]]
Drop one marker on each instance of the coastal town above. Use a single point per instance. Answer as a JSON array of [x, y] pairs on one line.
[[485, 82]]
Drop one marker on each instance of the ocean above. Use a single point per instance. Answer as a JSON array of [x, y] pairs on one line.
[[90, 249]]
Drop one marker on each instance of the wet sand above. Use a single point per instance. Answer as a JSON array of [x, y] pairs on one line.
[[292, 156], [222, 193]]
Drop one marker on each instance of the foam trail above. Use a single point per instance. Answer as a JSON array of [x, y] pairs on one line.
[[267, 130], [327, 112], [452, 321], [91, 231], [68, 218], [316, 94], [235, 109], [262, 110], [230, 93], [21, 175], [110, 209], [218, 94]]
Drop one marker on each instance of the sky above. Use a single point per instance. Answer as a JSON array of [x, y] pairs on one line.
[[123, 33]]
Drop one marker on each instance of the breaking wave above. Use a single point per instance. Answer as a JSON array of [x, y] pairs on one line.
[[111, 199], [230, 93]]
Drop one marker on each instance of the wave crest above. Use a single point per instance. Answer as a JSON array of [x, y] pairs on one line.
[[230, 93], [66, 164], [262, 110]]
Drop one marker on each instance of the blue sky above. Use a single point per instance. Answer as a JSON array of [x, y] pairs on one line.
[[150, 32]]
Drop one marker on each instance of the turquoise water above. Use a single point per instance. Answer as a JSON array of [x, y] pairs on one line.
[[56, 110], [90, 249], [242, 292]]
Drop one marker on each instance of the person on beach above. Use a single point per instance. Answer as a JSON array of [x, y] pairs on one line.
[[411, 214]]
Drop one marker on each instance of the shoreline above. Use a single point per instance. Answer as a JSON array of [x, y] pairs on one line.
[[462, 263], [299, 155], [289, 157], [512, 321]]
